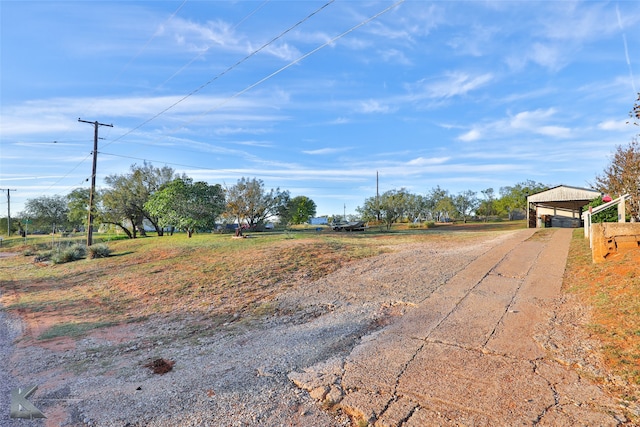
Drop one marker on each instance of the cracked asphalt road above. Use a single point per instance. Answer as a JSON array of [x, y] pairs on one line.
[[468, 355]]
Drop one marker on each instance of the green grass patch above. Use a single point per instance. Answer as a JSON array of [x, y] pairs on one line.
[[72, 329]]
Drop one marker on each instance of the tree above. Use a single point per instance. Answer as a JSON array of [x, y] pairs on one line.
[[445, 209], [635, 111], [436, 203], [608, 215], [124, 201], [515, 198], [486, 207], [465, 203], [47, 212], [78, 206], [391, 206], [300, 209], [415, 207], [187, 205], [249, 203], [120, 207], [622, 176]]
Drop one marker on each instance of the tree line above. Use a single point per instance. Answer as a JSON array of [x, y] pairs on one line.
[[165, 201], [159, 198]]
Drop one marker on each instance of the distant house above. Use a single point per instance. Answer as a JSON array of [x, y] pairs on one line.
[[323, 220], [559, 206]]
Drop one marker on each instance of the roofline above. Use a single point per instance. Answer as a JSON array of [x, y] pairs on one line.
[[567, 186]]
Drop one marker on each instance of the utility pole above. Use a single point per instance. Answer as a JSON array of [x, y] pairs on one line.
[[8, 190], [95, 124], [377, 196]]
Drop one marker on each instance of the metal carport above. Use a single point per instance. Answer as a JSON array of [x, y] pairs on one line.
[[559, 206]]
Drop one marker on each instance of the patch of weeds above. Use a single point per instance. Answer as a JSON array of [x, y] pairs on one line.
[[72, 329], [43, 256], [100, 250], [71, 253]]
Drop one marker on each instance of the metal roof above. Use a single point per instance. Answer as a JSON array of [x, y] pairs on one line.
[[564, 193]]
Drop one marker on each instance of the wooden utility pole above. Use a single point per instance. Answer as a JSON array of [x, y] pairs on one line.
[[377, 197], [8, 190], [95, 124]]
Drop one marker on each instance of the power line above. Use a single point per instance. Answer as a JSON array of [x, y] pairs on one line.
[[193, 92], [209, 47]]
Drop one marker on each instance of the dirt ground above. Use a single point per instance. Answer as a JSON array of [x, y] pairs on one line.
[[441, 333]]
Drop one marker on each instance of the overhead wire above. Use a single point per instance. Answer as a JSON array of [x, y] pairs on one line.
[[295, 61], [124, 68], [285, 67], [226, 71], [253, 12]]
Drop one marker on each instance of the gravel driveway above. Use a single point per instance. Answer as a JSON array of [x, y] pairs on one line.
[[324, 344]]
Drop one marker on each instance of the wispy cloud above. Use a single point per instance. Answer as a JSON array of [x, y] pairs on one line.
[[375, 106], [328, 150], [538, 122], [452, 84]]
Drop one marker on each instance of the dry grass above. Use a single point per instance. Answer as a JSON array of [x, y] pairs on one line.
[[208, 275], [612, 289]]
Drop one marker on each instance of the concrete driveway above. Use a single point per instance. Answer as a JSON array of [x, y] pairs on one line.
[[468, 354]]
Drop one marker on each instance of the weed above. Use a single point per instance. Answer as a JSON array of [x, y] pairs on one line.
[[71, 253], [100, 250]]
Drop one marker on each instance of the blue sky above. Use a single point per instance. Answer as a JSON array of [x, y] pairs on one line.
[[314, 97]]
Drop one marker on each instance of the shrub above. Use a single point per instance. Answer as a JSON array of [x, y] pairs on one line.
[[99, 251], [72, 253], [42, 256]]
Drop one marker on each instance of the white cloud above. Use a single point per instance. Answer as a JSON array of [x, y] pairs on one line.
[[328, 150], [427, 161], [373, 106], [615, 125], [452, 84], [472, 135]]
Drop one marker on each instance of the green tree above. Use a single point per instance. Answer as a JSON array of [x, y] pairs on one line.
[[124, 201], [302, 208], [608, 215], [249, 203], [391, 206], [435, 201], [415, 207], [120, 206], [486, 208], [514, 198], [78, 207], [187, 205], [465, 203], [622, 176], [47, 212]]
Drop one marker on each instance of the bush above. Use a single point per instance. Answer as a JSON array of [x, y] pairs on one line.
[[99, 251], [72, 253]]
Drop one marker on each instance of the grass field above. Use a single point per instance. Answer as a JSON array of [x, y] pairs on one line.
[[212, 275]]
